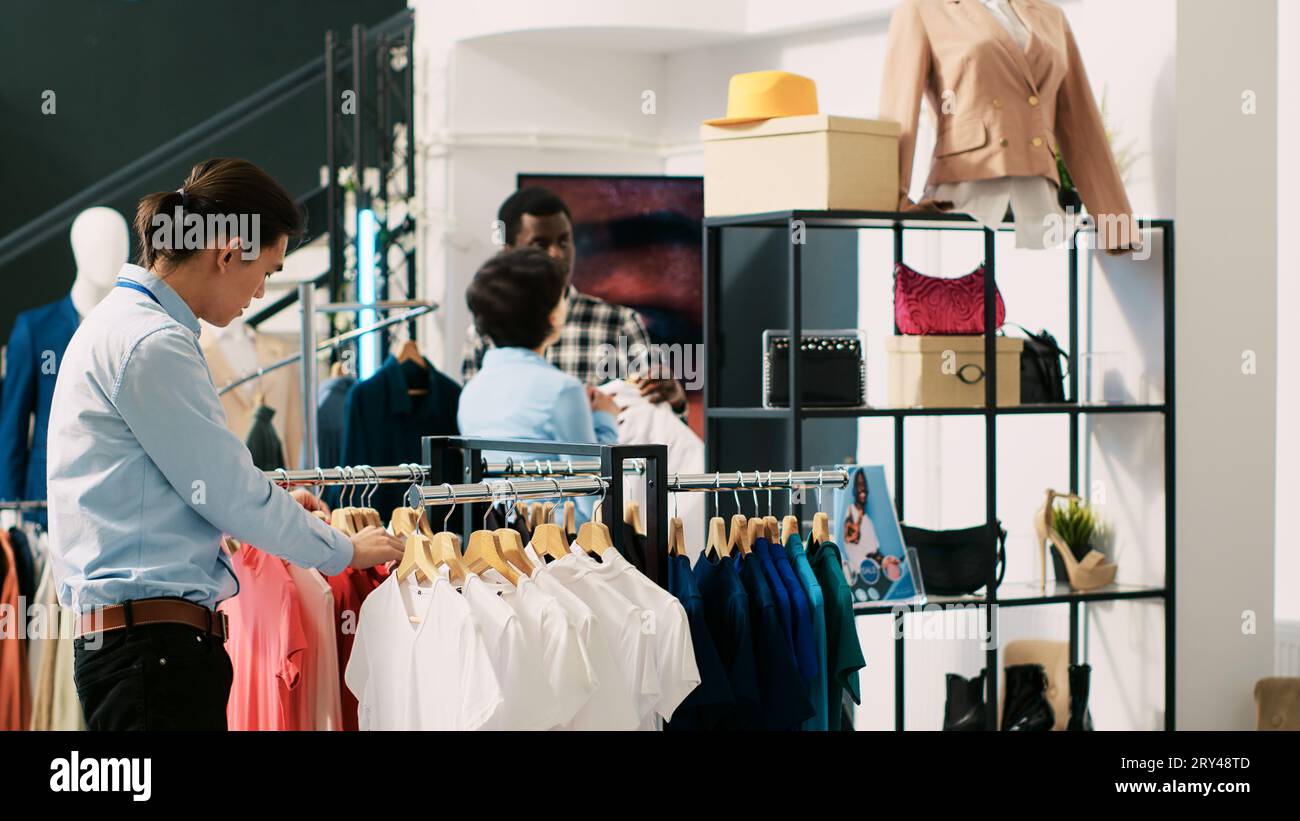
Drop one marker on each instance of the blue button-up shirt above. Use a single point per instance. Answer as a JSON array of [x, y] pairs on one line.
[[144, 476], [517, 394]]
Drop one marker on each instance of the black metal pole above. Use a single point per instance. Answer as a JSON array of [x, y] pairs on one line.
[[712, 242], [1167, 274], [990, 459], [900, 672], [332, 164], [795, 259]]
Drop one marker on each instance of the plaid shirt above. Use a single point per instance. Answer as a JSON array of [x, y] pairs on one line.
[[592, 332]]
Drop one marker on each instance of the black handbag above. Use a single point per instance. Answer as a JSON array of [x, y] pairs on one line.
[[1042, 379], [832, 370], [956, 562]]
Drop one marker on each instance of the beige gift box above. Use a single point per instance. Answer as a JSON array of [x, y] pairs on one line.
[[948, 371], [814, 162]]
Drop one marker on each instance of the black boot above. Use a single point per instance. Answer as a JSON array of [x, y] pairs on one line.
[[966, 708], [1080, 717], [1025, 708]]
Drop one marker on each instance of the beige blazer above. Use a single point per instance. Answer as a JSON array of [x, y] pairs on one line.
[[1001, 109]]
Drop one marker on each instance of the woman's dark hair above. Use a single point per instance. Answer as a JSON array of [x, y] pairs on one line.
[[512, 297], [535, 200], [220, 187]]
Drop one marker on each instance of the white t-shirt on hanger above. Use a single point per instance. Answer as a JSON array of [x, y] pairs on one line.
[[624, 657], [433, 673], [669, 631], [527, 703], [566, 669]]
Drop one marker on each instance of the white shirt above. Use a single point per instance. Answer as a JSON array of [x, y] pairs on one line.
[[567, 673], [621, 654], [526, 695], [669, 631], [642, 422], [430, 674], [1032, 199]]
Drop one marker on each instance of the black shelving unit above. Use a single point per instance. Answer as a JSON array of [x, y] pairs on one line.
[[1010, 594]]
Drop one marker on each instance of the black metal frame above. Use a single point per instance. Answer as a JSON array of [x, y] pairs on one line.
[[468, 453], [899, 223]]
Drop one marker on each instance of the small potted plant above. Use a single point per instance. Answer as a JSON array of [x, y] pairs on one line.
[[1078, 524]]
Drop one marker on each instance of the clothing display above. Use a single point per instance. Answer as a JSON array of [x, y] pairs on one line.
[[817, 612], [1009, 100], [15, 687], [727, 614], [33, 359], [268, 645], [263, 444], [843, 651], [331, 418], [642, 422], [709, 704], [236, 350], [55, 705], [350, 589], [385, 422], [784, 702]]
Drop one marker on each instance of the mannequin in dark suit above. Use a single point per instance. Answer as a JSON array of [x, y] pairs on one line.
[[100, 242]]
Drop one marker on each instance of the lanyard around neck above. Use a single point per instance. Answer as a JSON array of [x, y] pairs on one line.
[[135, 286]]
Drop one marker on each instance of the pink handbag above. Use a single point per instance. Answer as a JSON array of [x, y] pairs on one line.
[[932, 305]]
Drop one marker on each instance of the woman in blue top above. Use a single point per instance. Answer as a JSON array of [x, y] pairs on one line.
[[518, 302]]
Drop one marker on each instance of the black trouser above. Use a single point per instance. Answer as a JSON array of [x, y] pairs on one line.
[[153, 677]]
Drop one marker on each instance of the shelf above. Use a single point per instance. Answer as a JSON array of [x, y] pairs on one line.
[[916, 221], [1027, 594], [840, 413]]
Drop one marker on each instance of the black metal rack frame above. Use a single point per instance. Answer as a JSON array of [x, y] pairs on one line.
[[443, 453], [899, 223]]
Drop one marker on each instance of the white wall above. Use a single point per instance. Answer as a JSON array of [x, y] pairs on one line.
[[1227, 158], [1287, 582]]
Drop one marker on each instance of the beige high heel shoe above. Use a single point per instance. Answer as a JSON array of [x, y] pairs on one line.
[[1088, 573]]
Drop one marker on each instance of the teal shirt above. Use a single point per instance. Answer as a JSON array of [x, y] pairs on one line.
[[808, 580], [845, 652]]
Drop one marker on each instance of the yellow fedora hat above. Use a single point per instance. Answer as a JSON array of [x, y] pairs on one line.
[[762, 95]]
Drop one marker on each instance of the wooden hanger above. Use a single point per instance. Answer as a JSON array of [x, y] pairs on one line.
[[535, 517], [512, 550], [570, 518], [755, 529], [548, 539], [408, 351], [717, 542], [405, 521], [445, 549], [632, 516], [773, 529], [676, 537], [789, 527], [738, 534], [483, 547], [821, 527], [417, 559], [594, 537]]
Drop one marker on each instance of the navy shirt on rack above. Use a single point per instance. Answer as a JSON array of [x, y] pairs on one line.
[[784, 606], [801, 621], [784, 694], [331, 418], [727, 614], [386, 423], [710, 704]]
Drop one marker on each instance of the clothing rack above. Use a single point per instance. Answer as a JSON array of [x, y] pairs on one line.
[[601, 476], [332, 342]]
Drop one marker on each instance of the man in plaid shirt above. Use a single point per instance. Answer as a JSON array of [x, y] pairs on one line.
[[535, 217]]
